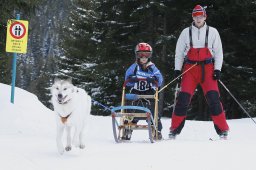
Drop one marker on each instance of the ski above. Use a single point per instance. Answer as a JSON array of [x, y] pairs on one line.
[[217, 139]]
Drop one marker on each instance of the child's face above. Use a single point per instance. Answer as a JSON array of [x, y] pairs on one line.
[[143, 60]]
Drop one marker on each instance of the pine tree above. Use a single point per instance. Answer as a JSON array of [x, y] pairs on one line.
[[236, 27], [102, 36], [80, 46], [8, 9]]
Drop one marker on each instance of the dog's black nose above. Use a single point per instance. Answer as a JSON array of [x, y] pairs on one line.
[[60, 96]]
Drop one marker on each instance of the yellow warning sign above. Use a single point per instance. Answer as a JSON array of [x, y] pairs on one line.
[[17, 36]]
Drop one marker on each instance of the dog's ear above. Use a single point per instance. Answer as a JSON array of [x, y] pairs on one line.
[[56, 79], [69, 80]]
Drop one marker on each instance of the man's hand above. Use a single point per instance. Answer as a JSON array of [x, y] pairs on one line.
[[176, 74], [216, 75]]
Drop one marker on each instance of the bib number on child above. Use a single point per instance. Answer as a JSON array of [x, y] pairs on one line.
[[142, 85]]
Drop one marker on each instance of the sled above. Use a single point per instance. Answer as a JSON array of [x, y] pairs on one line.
[[124, 115]]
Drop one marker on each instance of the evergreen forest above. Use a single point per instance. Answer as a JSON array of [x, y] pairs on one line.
[[93, 41]]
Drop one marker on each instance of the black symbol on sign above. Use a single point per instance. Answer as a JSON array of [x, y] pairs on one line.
[[17, 30]]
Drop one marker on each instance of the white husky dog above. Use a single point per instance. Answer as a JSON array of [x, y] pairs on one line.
[[72, 106]]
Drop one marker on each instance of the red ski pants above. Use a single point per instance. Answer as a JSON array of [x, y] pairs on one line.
[[189, 82]]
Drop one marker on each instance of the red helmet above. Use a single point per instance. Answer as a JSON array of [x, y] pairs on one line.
[[143, 50]]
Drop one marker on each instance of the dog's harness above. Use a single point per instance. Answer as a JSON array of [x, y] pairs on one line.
[[64, 119]]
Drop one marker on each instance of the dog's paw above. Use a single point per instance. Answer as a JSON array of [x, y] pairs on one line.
[[82, 146], [68, 148]]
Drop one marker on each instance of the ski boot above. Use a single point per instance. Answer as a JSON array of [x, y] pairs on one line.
[[224, 135], [127, 134], [159, 135], [172, 135]]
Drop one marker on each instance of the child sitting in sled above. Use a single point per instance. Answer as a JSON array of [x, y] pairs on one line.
[[144, 69]]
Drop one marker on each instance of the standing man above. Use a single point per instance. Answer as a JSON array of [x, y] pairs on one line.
[[199, 44]]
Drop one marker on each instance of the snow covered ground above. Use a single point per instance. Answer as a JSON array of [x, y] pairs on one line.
[[27, 142]]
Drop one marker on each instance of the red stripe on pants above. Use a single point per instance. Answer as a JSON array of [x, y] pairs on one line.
[[220, 121], [176, 121]]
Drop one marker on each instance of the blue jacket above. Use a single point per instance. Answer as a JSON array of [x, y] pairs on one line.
[[151, 71]]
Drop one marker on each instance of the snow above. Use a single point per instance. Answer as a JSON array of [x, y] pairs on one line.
[[27, 142]]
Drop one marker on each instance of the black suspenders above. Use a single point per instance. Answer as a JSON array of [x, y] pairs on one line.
[[206, 45], [190, 36], [206, 36]]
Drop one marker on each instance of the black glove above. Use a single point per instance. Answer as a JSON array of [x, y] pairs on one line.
[[176, 74], [133, 78], [151, 79], [216, 75]]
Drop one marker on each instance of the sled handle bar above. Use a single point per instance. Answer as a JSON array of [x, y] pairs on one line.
[[131, 107]]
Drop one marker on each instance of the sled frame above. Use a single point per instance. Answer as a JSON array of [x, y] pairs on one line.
[[152, 122]]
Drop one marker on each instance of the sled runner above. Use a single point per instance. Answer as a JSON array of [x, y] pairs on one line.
[[134, 107]]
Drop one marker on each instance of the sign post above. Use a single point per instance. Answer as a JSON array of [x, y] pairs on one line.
[[16, 42]]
